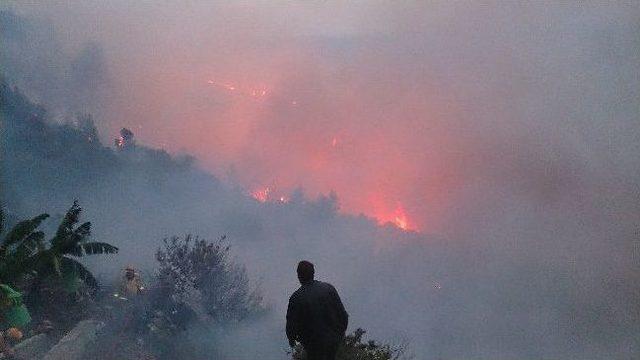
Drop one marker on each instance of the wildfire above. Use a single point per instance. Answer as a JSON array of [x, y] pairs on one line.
[[379, 206], [254, 92], [401, 222], [258, 92], [400, 218], [397, 218], [126, 139], [262, 195], [266, 194]]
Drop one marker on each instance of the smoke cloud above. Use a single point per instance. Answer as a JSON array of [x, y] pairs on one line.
[[506, 135]]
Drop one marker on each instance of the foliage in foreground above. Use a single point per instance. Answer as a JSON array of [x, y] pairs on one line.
[[23, 250], [353, 348], [198, 276], [48, 272], [197, 284]]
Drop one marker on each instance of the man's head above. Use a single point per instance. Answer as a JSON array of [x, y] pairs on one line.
[[129, 273], [305, 271]]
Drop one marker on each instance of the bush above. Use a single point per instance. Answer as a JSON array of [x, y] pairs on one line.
[[196, 286], [352, 348], [198, 281]]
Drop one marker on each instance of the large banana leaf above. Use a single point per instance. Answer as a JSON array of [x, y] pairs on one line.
[[44, 262], [73, 239], [33, 243], [65, 230], [83, 230], [19, 260], [71, 266], [21, 231], [92, 248]]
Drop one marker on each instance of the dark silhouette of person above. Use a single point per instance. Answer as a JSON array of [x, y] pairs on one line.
[[316, 316]]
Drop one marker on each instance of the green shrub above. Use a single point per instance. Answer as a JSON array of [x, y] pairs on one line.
[[353, 348], [55, 284]]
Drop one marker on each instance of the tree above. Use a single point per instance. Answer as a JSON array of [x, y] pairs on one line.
[[197, 280]]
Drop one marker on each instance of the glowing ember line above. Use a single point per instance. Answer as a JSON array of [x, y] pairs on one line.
[[262, 195], [255, 92], [266, 194]]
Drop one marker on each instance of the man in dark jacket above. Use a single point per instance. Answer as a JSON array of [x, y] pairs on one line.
[[315, 316]]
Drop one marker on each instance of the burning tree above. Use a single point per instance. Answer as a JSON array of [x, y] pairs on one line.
[[126, 139]]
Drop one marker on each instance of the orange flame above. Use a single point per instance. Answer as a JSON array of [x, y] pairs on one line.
[[255, 92], [261, 195], [397, 218], [400, 218], [266, 194]]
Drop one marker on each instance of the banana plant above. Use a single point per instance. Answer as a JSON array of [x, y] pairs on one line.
[[69, 243], [24, 251], [18, 246]]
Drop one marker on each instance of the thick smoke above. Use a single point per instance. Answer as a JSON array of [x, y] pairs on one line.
[[67, 78], [509, 132]]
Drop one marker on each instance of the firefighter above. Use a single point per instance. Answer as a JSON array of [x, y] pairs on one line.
[[132, 284]]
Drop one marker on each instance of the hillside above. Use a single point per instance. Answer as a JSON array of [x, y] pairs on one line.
[[135, 196]]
